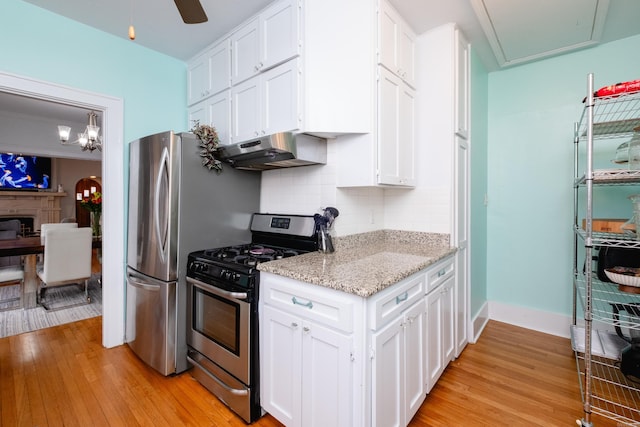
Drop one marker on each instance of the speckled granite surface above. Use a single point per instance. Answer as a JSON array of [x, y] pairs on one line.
[[366, 263]]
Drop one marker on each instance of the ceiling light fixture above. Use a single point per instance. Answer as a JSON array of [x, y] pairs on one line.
[[132, 30], [89, 140]]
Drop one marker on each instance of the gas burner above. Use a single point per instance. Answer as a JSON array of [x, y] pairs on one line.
[[261, 250]]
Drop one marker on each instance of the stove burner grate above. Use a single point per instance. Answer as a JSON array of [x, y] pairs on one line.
[[250, 254]]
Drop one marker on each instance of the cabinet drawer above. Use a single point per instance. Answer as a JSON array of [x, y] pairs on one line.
[[322, 305], [439, 273], [388, 304]]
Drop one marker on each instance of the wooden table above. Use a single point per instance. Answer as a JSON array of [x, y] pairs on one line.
[[29, 248]]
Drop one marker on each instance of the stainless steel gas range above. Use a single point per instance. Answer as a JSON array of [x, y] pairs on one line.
[[222, 313]]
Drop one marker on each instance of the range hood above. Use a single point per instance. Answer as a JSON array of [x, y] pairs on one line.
[[280, 150]]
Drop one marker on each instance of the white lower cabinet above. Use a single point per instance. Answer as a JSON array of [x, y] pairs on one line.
[[309, 365], [397, 378], [440, 330], [330, 358], [307, 374]]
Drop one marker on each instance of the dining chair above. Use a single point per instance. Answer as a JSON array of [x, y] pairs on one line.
[[11, 272], [67, 260], [45, 227]]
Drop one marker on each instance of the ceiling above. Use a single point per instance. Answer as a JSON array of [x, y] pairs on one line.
[[502, 32]]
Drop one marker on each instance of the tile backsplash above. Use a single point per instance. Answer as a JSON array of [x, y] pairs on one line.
[[306, 190]]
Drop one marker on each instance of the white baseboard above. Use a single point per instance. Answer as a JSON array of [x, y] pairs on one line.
[[479, 322], [542, 321]]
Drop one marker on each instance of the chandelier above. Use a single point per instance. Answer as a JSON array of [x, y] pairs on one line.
[[88, 140]]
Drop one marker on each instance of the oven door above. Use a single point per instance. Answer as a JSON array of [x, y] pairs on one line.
[[219, 327]]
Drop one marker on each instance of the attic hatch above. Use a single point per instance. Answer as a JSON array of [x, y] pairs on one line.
[[522, 31]]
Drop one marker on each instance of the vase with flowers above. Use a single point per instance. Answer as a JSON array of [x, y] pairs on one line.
[[94, 205], [209, 144]]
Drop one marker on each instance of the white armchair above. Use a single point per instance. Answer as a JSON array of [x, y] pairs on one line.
[[67, 260]]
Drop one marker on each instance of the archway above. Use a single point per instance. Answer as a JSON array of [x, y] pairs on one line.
[[84, 188]]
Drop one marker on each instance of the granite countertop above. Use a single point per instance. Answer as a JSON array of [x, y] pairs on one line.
[[366, 263]]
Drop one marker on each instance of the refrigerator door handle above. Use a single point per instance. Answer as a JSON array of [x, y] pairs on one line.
[[142, 285], [163, 171]]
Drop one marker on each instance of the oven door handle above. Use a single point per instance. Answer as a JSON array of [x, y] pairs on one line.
[[220, 292], [234, 391]]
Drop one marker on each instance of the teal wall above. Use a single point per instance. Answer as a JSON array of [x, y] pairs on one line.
[[48, 47], [532, 109], [478, 186]]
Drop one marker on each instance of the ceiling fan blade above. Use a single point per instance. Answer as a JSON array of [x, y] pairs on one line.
[[191, 11]]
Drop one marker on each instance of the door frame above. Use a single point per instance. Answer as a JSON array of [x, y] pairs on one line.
[[113, 283]]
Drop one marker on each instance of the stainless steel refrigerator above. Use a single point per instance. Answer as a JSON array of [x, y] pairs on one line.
[[176, 206]]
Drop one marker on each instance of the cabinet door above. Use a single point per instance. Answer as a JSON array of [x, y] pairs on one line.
[[327, 377], [396, 130], [387, 376], [406, 136], [245, 110], [406, 49], [388, 27], [461, 82], [197, 79], [197, 113], [220, 67], [219, 115], [280, 99], [389, 92], [279, 34], [434, 338], [448, 321], [414, 358], [396, 44], [245, 52], [461, 239], [280, 365]]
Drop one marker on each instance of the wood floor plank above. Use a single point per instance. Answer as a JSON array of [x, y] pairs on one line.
[[62, 376]]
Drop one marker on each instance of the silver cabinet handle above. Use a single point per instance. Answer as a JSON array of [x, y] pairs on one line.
[[306, 329], [294, 325], [402, 297], [442, 272], [307, 304]]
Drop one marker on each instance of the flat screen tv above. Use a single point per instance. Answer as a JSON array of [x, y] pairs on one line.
[[23, 172]]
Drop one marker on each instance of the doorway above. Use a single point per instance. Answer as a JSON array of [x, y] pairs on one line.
[[113, 283]]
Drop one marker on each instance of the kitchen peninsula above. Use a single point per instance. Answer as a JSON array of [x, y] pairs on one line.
[[357, 337]]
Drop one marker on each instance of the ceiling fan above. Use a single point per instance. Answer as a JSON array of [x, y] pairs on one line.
[[191, 11]]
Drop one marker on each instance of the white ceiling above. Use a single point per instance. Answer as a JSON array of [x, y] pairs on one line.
[[504, 32]]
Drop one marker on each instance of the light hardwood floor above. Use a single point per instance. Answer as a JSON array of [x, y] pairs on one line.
[[62, 376]]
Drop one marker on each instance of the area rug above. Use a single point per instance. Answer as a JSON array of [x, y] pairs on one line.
[[17, 321]]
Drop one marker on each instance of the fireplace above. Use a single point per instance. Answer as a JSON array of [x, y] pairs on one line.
[[26, 224], [34, 207]]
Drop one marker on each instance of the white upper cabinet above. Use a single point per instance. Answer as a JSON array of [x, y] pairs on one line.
[[396, 44], [266, 104], [214, 111], [266, 41], [208, 73], [461, 85], [396, 111], [329, 88]]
